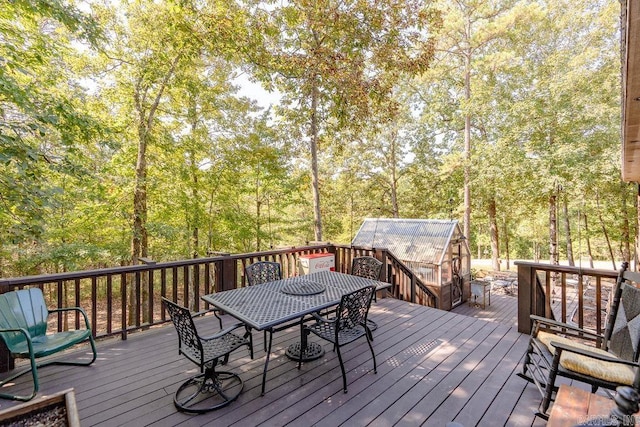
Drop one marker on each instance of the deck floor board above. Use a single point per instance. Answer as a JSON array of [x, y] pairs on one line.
[[433, 367]]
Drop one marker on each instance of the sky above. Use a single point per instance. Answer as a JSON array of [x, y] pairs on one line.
[[257, 92]]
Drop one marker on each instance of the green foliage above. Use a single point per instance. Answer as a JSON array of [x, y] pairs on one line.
[[79, 92], [44, 133]]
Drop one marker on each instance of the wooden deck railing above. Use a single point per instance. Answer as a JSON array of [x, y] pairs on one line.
[[567, 294], [124, 299]]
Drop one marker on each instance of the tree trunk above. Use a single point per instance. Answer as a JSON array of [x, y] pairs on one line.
[[567, 230], [195, 214], [586, 234], [210, 221], [193, 167], [467, 148], [493, 232], [505, 238], [553, 230], [604, 232], [258, 213], [394, 175], [317, 219], [553, 236], [139, 243]]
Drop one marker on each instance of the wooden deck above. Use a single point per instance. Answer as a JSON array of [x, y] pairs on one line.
[[503, 309], [433, 367]]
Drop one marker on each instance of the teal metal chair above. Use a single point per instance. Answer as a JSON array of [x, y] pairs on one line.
[[23, 328]]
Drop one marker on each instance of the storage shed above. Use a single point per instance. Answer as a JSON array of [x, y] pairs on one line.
[[436, 250]]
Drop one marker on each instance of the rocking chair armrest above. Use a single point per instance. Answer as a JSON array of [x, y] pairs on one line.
[[81, 310], [223, 332], [556, 324], [26, 334], [560, 347]]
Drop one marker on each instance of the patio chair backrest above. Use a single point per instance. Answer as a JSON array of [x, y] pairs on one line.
[[367, 267], [353, 309], [262, 272], [189, 342], [26, 309], [624, 335]]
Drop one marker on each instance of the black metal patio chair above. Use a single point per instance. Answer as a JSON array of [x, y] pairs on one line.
[[349, 324], [559, 349], [211, 389], [262, 272], [369, 268]]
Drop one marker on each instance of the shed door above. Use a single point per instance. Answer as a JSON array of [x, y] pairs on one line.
[[457, 274], [456, 281]]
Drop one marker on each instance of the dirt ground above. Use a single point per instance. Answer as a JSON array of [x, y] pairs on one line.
[[485, 264]]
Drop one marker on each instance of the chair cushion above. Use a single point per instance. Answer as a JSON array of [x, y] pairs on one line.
[[607, 371]]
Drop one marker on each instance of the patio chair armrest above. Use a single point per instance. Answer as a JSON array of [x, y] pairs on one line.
[[225, 331], [27, 338], [555, 324], [560, 347], [319, 318], [550, 322], [79, 309]]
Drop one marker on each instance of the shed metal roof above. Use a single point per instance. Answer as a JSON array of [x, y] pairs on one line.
[[416, 240]]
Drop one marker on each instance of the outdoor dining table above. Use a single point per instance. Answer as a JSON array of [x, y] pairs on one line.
[[271, 306]]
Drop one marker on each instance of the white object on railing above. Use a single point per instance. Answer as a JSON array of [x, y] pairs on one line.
[[317, 262]]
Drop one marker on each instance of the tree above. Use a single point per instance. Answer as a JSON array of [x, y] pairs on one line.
[[44, 131], [32, 109], [568, 115], [336, 61], [472, 28]]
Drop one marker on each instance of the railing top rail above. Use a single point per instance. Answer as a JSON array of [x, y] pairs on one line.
[[111, 271], [568, 269], [418, 281]]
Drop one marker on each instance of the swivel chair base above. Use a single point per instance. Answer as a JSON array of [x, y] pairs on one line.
[[208, 391]]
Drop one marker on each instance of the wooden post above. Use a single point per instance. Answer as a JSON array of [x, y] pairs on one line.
[[227, 276], [526, 297], [382, 256], [6, 361], [413, 288]]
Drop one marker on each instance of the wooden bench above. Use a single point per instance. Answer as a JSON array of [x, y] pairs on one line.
[[23, 328], [574, 406]]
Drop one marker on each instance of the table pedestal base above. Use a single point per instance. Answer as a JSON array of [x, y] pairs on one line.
[[313, 351]]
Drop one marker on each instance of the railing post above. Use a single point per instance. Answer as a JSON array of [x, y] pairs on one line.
[[526, 297], [382, 256], [338, 258], [413, 288], [6, 361], [227, 277]]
